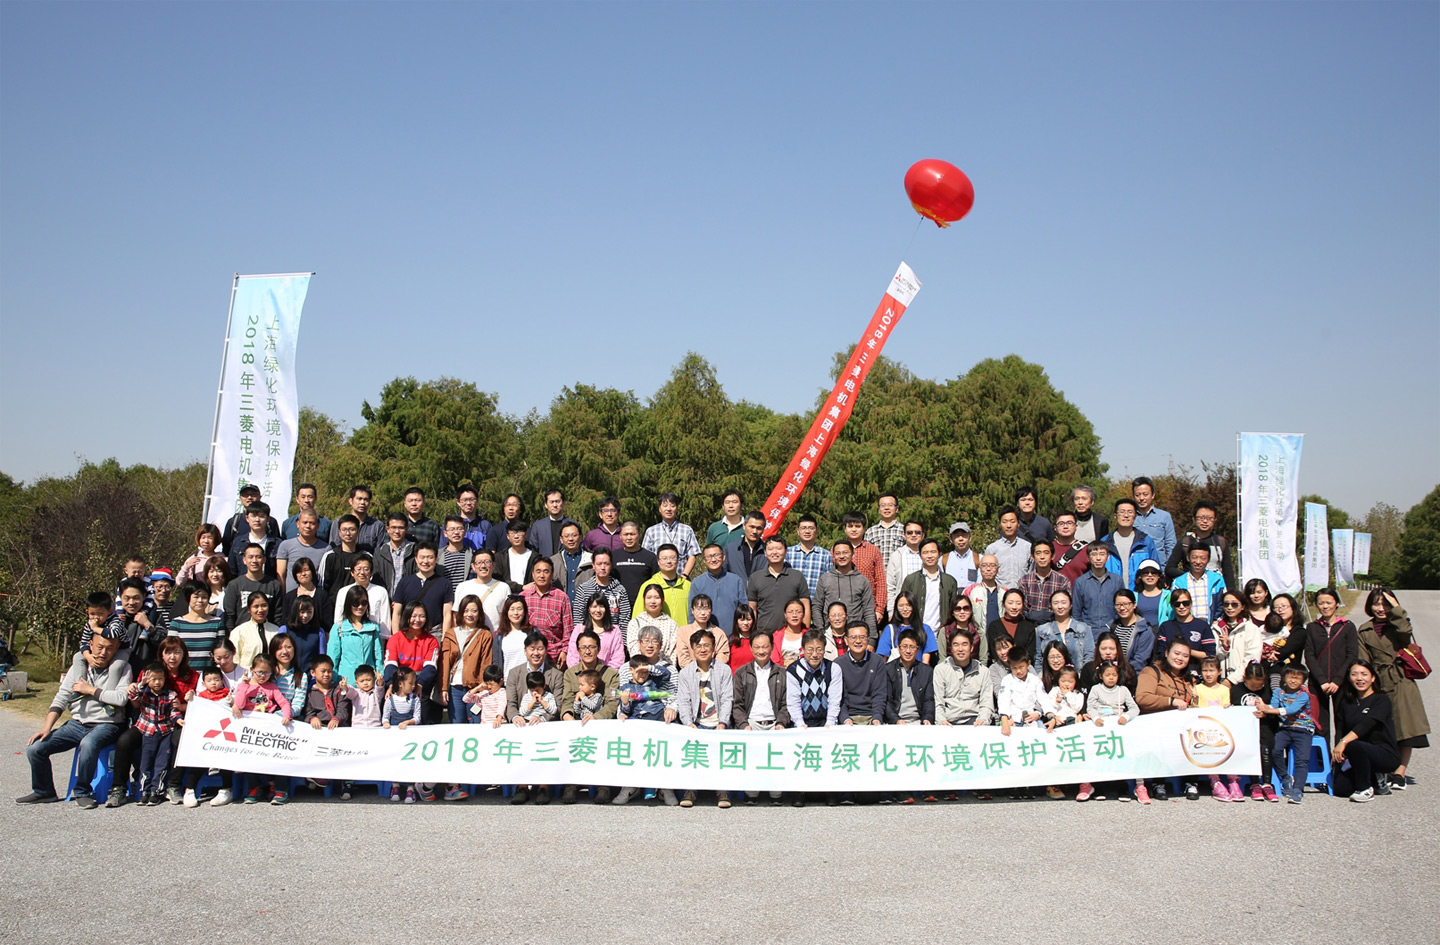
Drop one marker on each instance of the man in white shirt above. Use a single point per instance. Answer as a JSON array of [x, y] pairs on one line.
[[1012, 551], [905, 561], [960, 562], [492, 593]]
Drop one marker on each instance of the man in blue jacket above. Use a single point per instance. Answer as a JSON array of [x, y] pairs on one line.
[[1128, 545]]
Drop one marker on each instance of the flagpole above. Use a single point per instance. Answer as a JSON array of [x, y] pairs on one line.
[[219, 393], [1239, 518]]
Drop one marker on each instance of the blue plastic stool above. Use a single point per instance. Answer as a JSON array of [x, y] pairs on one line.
[[1320, 776], [100, 784]]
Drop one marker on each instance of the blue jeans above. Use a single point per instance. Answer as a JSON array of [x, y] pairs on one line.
[[459, 711], [88, 740], [1298, 741]]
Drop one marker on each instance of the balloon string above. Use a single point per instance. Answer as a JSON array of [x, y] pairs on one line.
[[912, 239]]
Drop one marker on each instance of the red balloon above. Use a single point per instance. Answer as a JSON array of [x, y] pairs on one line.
[[939, 191]]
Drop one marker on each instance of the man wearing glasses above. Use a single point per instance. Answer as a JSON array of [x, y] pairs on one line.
[[1203, 534], [1205, 587], [904, 561]]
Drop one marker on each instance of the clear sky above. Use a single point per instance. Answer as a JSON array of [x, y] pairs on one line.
[[1200, 218]]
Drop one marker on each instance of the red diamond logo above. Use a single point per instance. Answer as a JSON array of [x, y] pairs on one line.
[[223, 731]]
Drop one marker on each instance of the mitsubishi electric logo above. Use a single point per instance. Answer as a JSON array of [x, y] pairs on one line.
[[223, 731]]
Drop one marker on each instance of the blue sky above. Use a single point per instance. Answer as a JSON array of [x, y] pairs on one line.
[[1200, 218]]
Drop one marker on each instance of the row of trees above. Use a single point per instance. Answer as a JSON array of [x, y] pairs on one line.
[[954, 449]]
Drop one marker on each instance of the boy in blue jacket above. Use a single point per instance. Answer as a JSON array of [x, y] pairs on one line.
[[1297, 729]]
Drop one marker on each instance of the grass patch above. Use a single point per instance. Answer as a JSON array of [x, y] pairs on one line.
[[44, 682]]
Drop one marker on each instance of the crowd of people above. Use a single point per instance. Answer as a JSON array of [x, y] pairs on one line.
[[1065, 620]]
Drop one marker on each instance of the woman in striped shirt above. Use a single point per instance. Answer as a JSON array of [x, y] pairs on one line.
[[197, 629]]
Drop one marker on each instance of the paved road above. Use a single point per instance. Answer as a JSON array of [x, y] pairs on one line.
[[1032, 871]]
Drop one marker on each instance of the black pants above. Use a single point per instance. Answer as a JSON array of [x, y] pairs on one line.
[[1267, 748], [1366, 761]]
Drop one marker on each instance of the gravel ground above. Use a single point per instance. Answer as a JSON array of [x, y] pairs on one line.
[[1033, 870]]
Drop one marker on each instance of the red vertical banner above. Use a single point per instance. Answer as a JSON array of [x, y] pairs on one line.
[[841, 403]]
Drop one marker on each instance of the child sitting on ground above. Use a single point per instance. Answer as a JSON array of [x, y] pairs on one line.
[[1213, 693], [157, 714]]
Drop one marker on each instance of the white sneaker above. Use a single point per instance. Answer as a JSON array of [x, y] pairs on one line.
[[191, 800], [1361, 797], [623, 796], [221, 798], [668, 796]]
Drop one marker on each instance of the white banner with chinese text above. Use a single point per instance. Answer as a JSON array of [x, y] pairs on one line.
[[258, 418], [1317, 546], [653, 754], [1344, 539], [1269, 509], [1362, 554]]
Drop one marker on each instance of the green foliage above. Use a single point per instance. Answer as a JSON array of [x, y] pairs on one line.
[[63, 538], [1385, 525], [435, 435], [957, 449], [1420, 545]]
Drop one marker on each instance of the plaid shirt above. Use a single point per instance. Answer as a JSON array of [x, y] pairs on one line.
[[427, 529], [887, 538], [679, 534], [550, 614], [869, 563], [810, 564], [1038, 591], [155, 714]]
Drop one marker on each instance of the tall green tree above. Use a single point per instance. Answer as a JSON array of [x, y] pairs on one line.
[[1420, 545], [435, 435], [690, 441]]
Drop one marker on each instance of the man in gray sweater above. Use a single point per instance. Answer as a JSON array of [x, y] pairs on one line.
[[94, 690], [845, 583]]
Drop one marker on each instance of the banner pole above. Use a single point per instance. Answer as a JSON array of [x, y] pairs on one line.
[[219, 392], [1239, 518]]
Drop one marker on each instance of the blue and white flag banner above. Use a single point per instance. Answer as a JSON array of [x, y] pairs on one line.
[[653, 754], [1317, 546], [1344, 539], [1362, 554], [258, 418], [1269, 509]]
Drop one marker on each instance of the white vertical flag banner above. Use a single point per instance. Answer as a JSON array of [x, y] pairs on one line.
[[1269, 508], [1317, 546], [1344, 539], [1362, 553], [257, 415]]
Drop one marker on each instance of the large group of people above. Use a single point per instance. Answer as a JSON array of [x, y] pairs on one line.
[[405, 621]]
